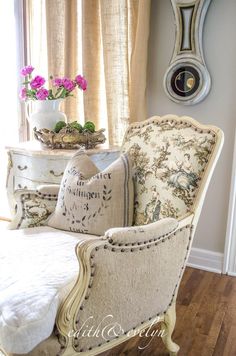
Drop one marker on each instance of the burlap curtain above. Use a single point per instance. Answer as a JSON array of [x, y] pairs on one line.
[[63, 46], [106, 40], [115, 42]]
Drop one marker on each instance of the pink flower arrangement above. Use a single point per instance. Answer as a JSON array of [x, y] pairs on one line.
[[37, 82], [42, 94], [26, 70], [33, 87], [81, 81]]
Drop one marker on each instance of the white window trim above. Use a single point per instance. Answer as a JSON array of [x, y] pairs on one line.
[[229, 266], [22, 60]]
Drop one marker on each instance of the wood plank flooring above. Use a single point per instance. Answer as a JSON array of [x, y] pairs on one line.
[[206, 319]]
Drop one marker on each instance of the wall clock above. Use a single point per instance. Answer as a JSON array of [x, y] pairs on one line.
[[187, 80]]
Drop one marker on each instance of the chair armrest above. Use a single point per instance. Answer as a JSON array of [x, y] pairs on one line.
[[141, 234], [132, 282], [48, 189], [34, 206]]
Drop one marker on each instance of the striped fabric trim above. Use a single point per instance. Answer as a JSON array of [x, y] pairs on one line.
[[125, 161]]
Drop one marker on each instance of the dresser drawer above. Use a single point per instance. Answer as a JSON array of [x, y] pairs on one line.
[[24, 183], [31, 165], [50, 169], [39, 169]]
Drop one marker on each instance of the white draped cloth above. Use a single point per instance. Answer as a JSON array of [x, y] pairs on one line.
[[38, 267]]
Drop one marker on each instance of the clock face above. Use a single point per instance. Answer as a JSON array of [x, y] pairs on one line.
[[185, 81]]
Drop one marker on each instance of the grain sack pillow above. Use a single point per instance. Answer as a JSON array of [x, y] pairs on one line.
[[92, 201]]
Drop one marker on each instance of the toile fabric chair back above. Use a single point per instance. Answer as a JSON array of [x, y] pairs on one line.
[[171, 158]]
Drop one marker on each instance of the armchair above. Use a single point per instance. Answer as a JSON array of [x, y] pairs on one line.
[[129, 278]]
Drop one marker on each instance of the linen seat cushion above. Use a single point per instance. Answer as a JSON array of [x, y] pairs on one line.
[[90, 201], [38, 269]]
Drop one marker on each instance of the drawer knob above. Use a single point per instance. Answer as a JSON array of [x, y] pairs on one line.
[[22, 168], [20, 186], [55, 174]]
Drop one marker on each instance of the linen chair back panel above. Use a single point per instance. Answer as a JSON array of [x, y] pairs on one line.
[[169, 156]]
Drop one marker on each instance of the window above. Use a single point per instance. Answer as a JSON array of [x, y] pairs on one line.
[[8, 94]]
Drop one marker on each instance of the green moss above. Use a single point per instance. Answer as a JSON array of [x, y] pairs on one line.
[[76, 126], [89, 125], [59, 125]]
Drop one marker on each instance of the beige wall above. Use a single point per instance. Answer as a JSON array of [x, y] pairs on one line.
[[219, 108]]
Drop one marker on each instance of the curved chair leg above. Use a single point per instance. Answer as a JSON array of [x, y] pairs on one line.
[[2, 353], [168, 326]]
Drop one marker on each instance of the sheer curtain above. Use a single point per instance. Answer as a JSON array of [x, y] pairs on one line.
[[54, 45], [8, 94], [115, 42], [104, 40]]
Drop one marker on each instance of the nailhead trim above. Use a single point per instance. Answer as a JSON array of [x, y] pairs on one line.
[[135, 244], [173, 294], [146, 244], [45, 196], [177, 121]]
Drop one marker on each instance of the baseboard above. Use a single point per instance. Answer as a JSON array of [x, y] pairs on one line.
[[206, 260]]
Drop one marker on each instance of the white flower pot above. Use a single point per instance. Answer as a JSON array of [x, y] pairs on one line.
[[45, 114]]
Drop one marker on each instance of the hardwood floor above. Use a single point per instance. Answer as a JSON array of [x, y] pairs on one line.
[[206, 319]]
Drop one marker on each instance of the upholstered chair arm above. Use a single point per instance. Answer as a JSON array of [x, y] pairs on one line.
[[49, 189], [34, 206], [141, 234], [126, 283]]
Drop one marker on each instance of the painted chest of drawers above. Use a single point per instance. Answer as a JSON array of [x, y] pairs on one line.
[[30, 165]]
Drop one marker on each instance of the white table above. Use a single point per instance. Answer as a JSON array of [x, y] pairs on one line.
[[30, 164]]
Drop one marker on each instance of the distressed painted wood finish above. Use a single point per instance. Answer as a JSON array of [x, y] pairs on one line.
[[206, 319], [30, 165]]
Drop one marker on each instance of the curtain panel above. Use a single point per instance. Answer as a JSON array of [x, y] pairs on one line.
[[106, 41], [115, 45], [22, 52]]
